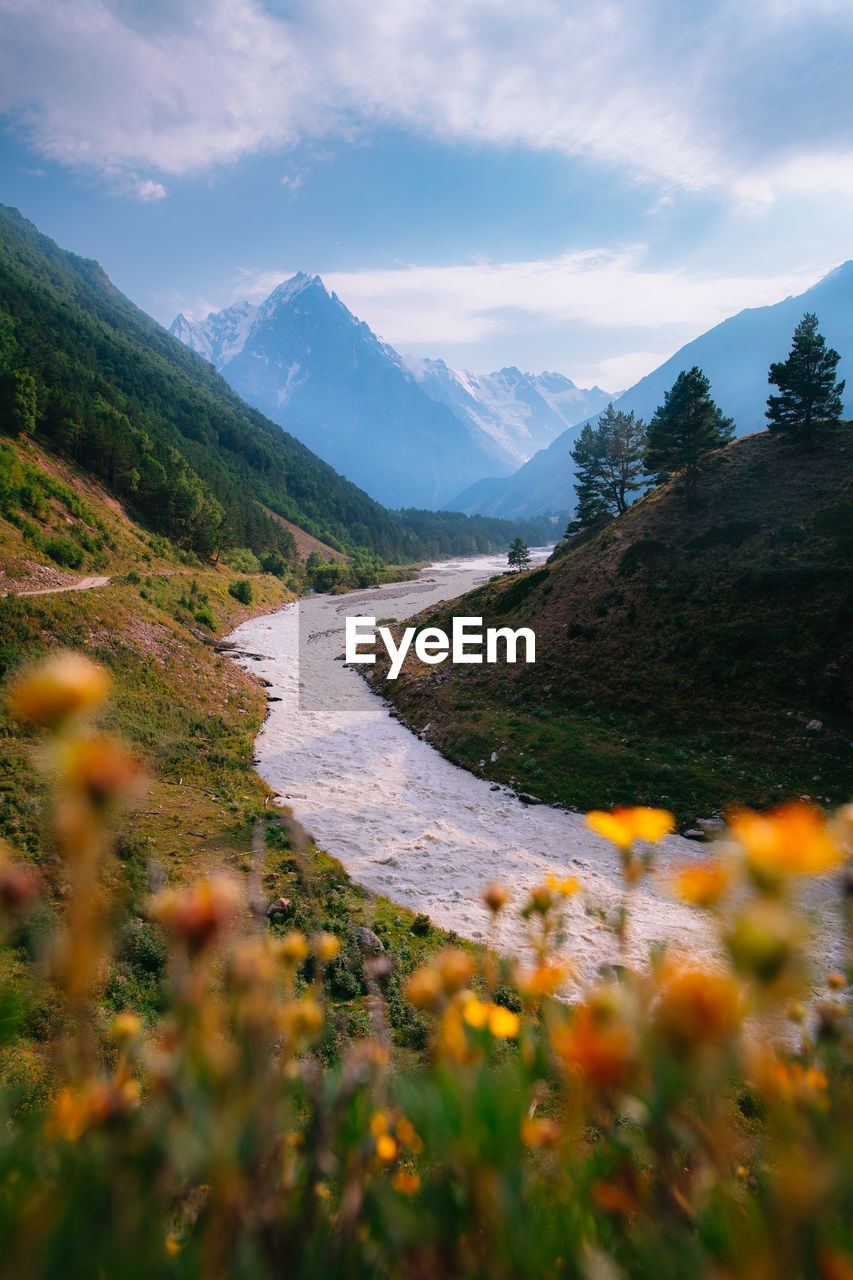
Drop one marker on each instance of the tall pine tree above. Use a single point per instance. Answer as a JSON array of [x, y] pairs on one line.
[[684, 430], [609, 461], [811, 398]]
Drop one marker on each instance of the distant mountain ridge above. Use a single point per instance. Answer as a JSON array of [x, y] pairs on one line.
[[410, 432], [735, 355]]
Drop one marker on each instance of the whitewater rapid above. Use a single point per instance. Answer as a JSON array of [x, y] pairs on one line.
[[404, 821]]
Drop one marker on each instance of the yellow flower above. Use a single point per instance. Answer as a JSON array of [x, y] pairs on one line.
[[564, 888], [293, 947], [599, 1044], [408, 1135], [326, 946], [378, 1123], [544, 980], [386, 1148], [503, 1022], [423, 988], [790, 840], [703, 884], [625, 825], [455, 967], [125, 1026], [475, 1013], [64, 686], [100, 769]]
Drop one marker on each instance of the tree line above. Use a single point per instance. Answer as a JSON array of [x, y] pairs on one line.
[[620, 454]]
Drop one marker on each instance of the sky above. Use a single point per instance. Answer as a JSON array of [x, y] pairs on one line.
[[580, 187]]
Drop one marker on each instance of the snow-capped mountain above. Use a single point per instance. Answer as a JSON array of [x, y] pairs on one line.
[[734, 355], [306, 362], [524, 412]]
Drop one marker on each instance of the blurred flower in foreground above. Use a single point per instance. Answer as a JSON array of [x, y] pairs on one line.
[[200, 913], [696, 1008], [790, 840], [625, 825], [64, 686], [702, 884]]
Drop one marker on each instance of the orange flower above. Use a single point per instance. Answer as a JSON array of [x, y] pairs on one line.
[[702, 884], [455, 967], [697, 1008], [790, 840], [424, 988], [406, 1181], [540, 1132], [599, 1044], [624, 826], [100, 769], [200, 914], [564, 888], [64, 686], [544, 980]]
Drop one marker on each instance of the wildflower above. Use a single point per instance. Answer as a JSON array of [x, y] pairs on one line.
[[64, 686], [503, 1023], [790, 840], [696, 1008], [548, 976], [302, 1018], [496, 896], [540, 1132], [563, 888], [765, 940], [475, 1012], [19, 883], [378, 1123], [326, 946], [408, 1135], [624, 826], [702, 884], [293, 948], [386, 1148], [100, 769], [125, 1026], [541, 901], [424, 987], [455, 967], [406, 1181], [599, 1044], [201, 913]]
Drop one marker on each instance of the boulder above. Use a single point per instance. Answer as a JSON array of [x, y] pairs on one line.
[[368, 941], [281, 907]]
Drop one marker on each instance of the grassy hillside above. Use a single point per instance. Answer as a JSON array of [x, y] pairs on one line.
[[93, 378], [681, 657]]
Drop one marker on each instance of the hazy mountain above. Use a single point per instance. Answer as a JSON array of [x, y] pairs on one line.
[[523, 412], [306, 362], [735, 355]]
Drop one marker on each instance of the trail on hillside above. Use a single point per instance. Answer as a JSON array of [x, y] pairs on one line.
[[85, 584]]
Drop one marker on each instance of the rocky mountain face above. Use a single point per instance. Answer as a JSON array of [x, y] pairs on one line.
[[410, 432]]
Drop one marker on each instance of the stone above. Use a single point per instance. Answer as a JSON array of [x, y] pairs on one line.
[[711, 824], [281, 907], [368, 941], [496, 786], [526, 798], [694, 834], [494, 757], [814, 726]]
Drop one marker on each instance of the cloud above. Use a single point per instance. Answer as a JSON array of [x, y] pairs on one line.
[[429, 308], [727, 97]]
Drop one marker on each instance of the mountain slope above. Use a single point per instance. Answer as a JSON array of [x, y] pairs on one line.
[[524, 412], [95, 379], [304, 360], [685, 659], [735, 355]]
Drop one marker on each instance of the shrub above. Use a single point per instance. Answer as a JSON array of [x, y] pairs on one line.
[[241, 590], [644, 553], [64, 552]]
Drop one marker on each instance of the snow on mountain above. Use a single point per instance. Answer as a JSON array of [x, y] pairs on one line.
[[524, 412], [306, 362]]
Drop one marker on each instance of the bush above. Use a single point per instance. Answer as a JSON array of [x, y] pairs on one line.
[[644, 553], [64, 552], [273, 562], [242, 560], [242, 590]]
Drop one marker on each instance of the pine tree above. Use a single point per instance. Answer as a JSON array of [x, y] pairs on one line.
[[811, 397], [518, 555], [684, 430], [609, 460]]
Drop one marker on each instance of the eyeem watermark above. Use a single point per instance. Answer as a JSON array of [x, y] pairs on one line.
[[433, 645]]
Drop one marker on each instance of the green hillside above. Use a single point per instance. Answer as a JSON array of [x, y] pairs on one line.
[[683, 658], [93, 378]]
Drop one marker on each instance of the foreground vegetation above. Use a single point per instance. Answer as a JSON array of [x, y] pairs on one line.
[[649, 1128]]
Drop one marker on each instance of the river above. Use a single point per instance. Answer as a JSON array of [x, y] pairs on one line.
[[404, 821]]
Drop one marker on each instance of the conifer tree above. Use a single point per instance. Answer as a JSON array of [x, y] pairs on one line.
[[811, 398], [518, 555], [609, 461], [684, 430]]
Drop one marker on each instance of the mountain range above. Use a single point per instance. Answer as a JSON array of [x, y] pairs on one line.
[[735, 355], [410, 432]]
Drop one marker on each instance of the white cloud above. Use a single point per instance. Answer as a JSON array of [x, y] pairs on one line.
[[609, 293], [724, 96], [147, 189]]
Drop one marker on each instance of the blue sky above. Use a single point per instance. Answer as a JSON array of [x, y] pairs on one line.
[[573, 186]]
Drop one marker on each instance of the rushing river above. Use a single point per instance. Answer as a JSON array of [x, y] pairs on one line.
[[404, 821]]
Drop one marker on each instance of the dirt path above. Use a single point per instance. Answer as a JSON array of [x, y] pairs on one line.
[[85, 584]]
